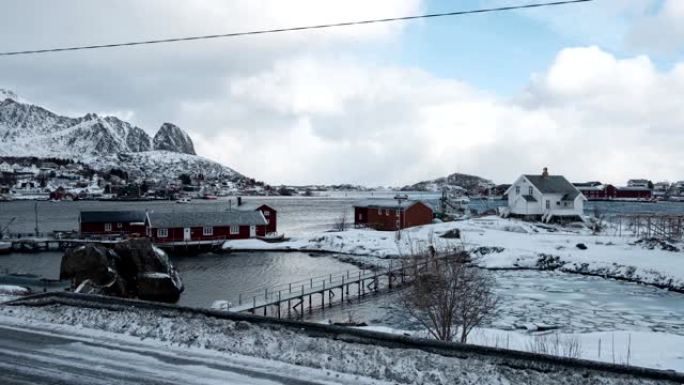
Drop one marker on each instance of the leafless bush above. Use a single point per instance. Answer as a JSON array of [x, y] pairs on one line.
[[598, 221], [341, 223], [449, 293], [556, 344]]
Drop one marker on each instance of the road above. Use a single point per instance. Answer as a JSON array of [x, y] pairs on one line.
[[33, 356]]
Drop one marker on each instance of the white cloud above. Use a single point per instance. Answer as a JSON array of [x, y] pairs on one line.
[[327, 119]]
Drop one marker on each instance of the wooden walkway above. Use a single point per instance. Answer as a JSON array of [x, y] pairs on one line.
[[297, 297]]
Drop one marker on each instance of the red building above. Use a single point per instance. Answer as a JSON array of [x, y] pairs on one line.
[[597, 191], [112, 222], [203, 227], [634, 193], [269, 213], [391, 214]]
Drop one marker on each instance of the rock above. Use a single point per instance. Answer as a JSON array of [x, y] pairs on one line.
[[581, 246], [452, 234], [132, 269]]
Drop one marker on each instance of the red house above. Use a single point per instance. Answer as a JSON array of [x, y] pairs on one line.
[[112, 222], [391, 214], [269, 213], [634, 193], [202, 227]]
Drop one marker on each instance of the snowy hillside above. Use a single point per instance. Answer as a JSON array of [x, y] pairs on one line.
[[101, 142], [468, 182]]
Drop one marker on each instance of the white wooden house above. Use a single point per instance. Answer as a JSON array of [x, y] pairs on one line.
[[545, 197]]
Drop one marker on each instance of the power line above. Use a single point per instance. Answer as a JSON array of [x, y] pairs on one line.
[[278, 30]]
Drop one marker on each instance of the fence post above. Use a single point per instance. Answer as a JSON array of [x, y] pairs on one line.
[[240, 299], [290, 287]]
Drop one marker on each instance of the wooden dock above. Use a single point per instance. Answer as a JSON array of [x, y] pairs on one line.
[[651, 225], [294, 298]]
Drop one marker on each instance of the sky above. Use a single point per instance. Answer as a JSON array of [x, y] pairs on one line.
[[593, 91]]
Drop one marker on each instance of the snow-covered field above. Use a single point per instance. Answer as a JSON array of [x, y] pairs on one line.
[[502, 243], [175, 330]]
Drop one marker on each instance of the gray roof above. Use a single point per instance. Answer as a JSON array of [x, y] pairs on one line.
[[112, 216], [529, 198], [387, 204], [201, 219], [554, 184]]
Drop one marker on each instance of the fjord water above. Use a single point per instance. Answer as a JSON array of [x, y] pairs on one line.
[[575, 303]]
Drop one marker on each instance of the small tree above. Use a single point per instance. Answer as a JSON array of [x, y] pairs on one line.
[[450, 294]]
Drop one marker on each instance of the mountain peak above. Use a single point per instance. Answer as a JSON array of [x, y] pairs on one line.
[[7, 94], [172, 138]]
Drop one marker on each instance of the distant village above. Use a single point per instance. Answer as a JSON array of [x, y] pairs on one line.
[[60, 179]]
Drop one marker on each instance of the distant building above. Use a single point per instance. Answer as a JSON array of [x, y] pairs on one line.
[[112, 222], [392, 214], [645, 183], [545, 197], [597, 191]]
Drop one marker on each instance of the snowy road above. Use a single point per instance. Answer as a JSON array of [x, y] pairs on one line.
[[30, 356]]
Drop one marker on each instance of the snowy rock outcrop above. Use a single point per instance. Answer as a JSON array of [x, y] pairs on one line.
[[171, 138]]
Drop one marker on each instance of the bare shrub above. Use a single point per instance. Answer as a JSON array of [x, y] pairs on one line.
[[556, 344], [449, 293], [341, 222]]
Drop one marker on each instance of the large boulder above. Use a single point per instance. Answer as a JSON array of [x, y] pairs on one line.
[[133, 268]]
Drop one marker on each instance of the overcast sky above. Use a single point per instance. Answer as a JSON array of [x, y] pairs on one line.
[[594, 91]]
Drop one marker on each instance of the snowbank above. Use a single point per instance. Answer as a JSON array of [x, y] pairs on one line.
[[502, 243], [646, 349], [288, 345], [10, 292]]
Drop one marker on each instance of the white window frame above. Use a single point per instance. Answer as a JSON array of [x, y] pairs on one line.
[[207, 231], [234, 229], [398, 212], [517, 190], [530, 191], [387, 212], [266, 213], [162, 233], [360, 216], [108, 227], [379, 211]]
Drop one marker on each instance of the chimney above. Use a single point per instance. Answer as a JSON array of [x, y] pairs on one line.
[[239, 201], [545, 173]]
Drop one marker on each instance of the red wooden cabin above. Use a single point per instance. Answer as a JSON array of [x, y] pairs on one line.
[[203, 227], [391, 214], [269, 213]]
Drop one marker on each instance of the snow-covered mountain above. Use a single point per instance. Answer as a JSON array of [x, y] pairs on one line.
[[455, 180], [101, 142]]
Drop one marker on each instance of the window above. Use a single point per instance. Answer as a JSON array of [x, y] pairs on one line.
[[517, 190], [379, 211], [235, 229], [360, 216], [119, 225], [529, 191], [558, 203], [397, 212], [108, 227], [162, 233], [266, 213], [548, 204], [386, 211], [207, 230]]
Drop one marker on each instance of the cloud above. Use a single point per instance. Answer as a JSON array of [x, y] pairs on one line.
[[329, 120], [661, 31]]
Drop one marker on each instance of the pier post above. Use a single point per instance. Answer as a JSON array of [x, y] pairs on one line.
[[342, 290], [279, 304], [240, 299]]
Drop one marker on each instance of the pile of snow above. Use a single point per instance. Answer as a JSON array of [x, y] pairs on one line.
[[502, 243], [10, 292], [408, 366]]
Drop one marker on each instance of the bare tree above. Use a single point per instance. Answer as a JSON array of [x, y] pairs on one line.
[[450, 294]]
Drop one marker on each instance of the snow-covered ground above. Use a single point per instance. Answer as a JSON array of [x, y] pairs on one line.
[[502, 243], [171, 330], [645, 349]]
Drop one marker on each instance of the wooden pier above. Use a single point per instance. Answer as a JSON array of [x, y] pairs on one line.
[[293, 299]]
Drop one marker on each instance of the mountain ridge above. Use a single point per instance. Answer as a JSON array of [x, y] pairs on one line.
[[28, 130]]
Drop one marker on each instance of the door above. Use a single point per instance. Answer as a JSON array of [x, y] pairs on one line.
[[252, 231], [186, 234]]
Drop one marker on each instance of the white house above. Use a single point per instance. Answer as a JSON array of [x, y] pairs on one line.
[[545, 196]]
